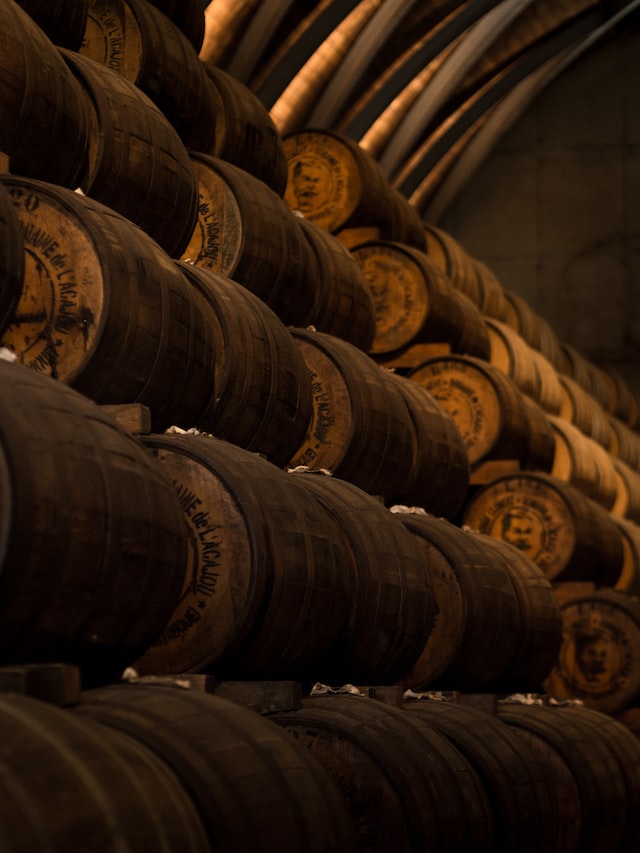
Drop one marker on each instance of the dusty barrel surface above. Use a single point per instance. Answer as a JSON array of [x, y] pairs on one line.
[[85, 784], [598, 802], [105, 310], [262, 391], [266, 592], [63, 21], [391, 599], [138, 41], [253, 786], [246, 232], [408, 788], [478, 622], [94, 544], [345, 304], [566, 534], [598, 660], [360, 429], [137, 163], [439, 477], [43, 116], [245, 134], [523, 803]]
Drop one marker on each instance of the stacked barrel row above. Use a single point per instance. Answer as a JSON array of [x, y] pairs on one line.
[[163, 767]]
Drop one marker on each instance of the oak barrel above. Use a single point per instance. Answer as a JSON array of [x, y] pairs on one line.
[[569, 536], [104, 309], [187, 15], [63, 21], [408, 788], [93, 543], [71, 784], [453, 260], [253, 786], [12, 259], [137, 163], [266, 592], [262, 392]]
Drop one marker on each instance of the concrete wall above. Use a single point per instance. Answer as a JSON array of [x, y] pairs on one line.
[[555, 209]]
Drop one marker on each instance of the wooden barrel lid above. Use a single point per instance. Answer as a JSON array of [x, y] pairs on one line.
[[567, 535], [599, 661]]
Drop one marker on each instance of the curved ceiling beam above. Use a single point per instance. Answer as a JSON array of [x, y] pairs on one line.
[[501, 118], [302, 48], [371, 39], [448, 133], [251, 46], [434, 95]]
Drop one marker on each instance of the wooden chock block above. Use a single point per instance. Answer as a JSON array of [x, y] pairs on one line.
[[265, 697], [134, 417], [58, 683]]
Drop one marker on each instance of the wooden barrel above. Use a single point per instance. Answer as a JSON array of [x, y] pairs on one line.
[[187, 15], [453, 260], [338, 185], [534, 329], [137, 163], [492, 301], [541, 622], [252, 785], [525, 812], [625, 443], [627, 503], [262, 393], [138, 41], [566, 534], [246, 232], [629, 578], [530, 371], [413, 298], [63, 21], [43, 115], [93, 544], [439, 475], [345, 305], [266, 590], [584, 411], [625, 404], [408, 788], [478, 624], [69, 782], [489, 411], [105, 310], [360, 429], [391, 599], [585, 464], [595, 803], [599, 658], [12, 259], [589, 376], [245, 134]]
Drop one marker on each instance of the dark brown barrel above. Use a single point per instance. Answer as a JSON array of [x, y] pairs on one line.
[[338, 185], [245, 134], [105, 310], [408, 788], [392, 604], [489, 410], [569, 536], [345, 305], [478, 626], [439, 477], [138, 164], [262, 391], [71, 784], [63, 21], [43, 115], [599, 659], [12, 259], [253, 786], [540, 620], [516, 781], [93, 543], [142, 44], [187, 15], [246, 232], [266, 590], [597, 822], [360, 430]]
